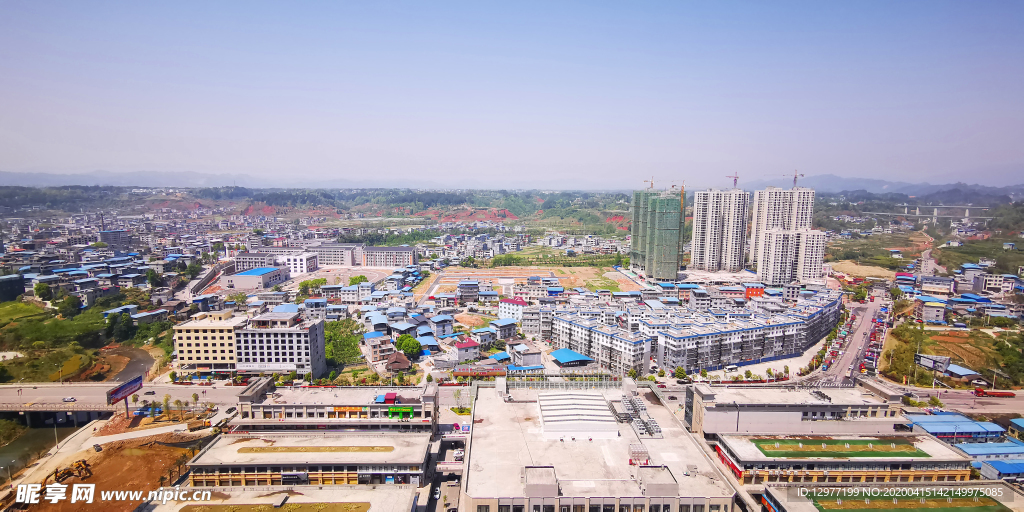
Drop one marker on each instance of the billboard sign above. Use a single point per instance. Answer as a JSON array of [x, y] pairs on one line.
[[123, 391], [936, 363]]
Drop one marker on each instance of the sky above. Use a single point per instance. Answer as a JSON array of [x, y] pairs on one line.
[[584, 95]]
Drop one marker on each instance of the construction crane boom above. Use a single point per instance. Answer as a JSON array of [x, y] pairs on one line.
[[735, 177], [795, 175]]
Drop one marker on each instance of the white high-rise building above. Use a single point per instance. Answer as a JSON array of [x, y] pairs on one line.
[[778, 208], [719, 230], [789, 255]]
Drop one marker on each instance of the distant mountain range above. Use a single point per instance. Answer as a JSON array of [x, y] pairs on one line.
[[824, 183], [830, 183]]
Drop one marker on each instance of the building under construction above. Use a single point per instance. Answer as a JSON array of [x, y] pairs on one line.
[[657, 234]]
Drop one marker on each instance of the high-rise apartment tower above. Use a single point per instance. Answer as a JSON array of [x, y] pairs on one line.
[[719, 230]]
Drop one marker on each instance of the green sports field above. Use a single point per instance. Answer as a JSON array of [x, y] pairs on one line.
[[836, 448]]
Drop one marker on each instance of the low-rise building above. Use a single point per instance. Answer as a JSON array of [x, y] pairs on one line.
[[511, 308], [257, 278], [505, 328], [468, 350], [763, 459], [713, 411], [250, 260]]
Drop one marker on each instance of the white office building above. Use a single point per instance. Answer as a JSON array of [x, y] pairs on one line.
[[281, 342], [777, 208], [719, 230]]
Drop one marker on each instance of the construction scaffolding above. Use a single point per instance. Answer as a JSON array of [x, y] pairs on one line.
[[657, 233]]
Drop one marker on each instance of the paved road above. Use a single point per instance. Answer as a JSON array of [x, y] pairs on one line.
[[139, 363], [855, 346], [88, 393]]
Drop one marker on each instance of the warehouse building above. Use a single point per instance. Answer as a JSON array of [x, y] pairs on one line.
[[956, 428]]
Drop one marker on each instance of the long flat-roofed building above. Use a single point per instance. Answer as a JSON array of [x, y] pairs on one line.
[[712, 411], [404, 409], [526, 454], [311, 458], [760, 459]]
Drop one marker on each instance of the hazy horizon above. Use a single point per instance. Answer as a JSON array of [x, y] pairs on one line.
[[597, 96]]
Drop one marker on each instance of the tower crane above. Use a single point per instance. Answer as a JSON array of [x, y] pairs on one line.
[[735, 177]]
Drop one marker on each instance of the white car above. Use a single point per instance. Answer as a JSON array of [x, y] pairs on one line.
[[69, 399], [437, 493]]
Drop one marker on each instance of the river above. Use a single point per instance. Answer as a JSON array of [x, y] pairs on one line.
[[23, 449]]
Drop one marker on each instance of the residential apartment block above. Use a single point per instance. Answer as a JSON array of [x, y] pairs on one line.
[[777, 208], [791, 255], [299, 263], [250, 260], [719, 230]]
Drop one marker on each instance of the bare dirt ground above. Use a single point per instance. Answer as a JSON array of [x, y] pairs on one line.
[[853, 269], [135, 465], [472, 321]]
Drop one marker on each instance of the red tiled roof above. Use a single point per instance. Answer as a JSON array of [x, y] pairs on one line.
[[517, 301], [467, 344]]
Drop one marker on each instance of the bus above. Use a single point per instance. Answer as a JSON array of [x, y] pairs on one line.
[[732, 368]]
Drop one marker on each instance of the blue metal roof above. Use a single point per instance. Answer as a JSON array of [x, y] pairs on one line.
[[958, 370], [286, 308], [503, 322], [428, 341], [374, 334], [1018, 423], [1002, 448], [257, 271], [441, 318], [564, 355], [501, 356], [1007, 467], [402, 326]]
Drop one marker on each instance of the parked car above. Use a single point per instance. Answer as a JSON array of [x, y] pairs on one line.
[[151, 392], [662, 386], [437, 492], [69, 399], [231, 410]]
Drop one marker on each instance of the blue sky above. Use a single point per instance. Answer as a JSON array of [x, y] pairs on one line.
[[594, 95]]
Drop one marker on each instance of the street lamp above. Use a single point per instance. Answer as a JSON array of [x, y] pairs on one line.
[[60, 370], [10, 478]]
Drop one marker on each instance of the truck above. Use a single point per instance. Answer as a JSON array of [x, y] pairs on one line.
[[993, 393]]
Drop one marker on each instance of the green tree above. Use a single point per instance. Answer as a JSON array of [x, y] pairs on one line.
[[181, 409], [703, 373], [679, 373], [748, 374], [238, 297], [632, 373], [70, 306], [42, 291], [154, 279], [99, 245], [786, 369], [374, 378], [167, 405], [333, 375], [935, 402], [193, 270], [276, 288], [135, 399], [408, 345], [304, 288], [430, 378], [173, 376], [468, 262], [661, 372], [354, 280], [195, 398]]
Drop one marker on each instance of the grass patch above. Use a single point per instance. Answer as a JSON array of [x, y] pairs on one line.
[[1006, 261], [602, 283], [10, 311], [837, 448], [461, 411], [39, 365], [70, 367]]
